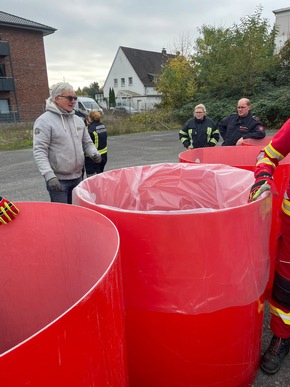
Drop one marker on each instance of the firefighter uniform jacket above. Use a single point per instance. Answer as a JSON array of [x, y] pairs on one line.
[[268, 160], [199, 133], [98, 134], [233, 127]]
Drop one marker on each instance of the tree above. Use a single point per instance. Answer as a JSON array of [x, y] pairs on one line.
[[79, 91], [211, 58], [112, 98], [235, 61], [92, 90], [183, 45], [176, 82], [282, 70], [89, 91]]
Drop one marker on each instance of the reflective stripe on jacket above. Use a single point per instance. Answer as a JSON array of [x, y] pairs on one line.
[[199, 133]]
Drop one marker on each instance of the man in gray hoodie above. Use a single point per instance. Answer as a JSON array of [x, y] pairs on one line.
[[60, 140]]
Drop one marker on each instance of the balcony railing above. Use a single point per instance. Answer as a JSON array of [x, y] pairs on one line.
[[9, 117]]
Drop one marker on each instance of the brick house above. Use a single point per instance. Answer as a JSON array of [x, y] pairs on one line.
[[23, 73]]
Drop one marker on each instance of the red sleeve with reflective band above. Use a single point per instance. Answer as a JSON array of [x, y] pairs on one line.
[[275, 151]]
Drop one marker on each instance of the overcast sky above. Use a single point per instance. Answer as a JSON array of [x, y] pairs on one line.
[[89, 32]]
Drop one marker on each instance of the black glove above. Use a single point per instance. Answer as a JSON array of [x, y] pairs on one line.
[[54, 184], [8, 211]]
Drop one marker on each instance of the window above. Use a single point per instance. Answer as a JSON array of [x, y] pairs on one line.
[[130, 81], [4, 106], [2, 70], [115, 82], [122, 82]]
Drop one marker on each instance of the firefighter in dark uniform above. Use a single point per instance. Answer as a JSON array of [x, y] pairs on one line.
[[279, 300], [199, 131], [98, 133], [237, 127]]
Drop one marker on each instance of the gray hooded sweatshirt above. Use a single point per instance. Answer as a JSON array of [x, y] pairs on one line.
[[60, 140]]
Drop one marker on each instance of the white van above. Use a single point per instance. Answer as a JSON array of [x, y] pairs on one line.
[[86, 104]]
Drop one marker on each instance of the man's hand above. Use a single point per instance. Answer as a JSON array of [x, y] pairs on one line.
[[8, 211], [96, 157], [264, 182], [240, 141], [54, 184]]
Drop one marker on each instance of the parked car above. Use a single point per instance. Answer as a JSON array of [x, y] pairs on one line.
[[85, 104], [124, 111]]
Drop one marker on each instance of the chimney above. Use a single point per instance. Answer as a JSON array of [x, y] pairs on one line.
[[164, 51]]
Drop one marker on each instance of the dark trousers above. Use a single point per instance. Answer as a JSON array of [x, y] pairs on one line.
[[65, 195], [94, 168]]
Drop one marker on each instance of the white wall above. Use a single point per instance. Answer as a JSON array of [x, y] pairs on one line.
[[282, 23], [121, 68], [136, 94], [145, 103]]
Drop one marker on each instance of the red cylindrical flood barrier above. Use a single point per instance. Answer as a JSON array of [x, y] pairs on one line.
[[62, 311], [194, 270], [246, 158], [255, 142]]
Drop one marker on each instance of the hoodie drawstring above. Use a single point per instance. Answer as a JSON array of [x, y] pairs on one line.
[[63, 124], [73, 117], [74, 124]]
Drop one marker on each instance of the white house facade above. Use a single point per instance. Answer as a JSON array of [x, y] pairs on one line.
[[131, 76], [282, 23]]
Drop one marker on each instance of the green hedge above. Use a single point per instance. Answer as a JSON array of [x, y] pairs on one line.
[[273, 108]]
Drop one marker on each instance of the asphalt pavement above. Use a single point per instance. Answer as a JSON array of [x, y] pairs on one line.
[[20, 180]]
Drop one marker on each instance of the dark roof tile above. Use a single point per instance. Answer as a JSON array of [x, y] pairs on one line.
[[9, 20], [147, 64]]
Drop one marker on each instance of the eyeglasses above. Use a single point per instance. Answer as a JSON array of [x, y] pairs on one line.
[[69, 97], [242, 107], [199, 112]]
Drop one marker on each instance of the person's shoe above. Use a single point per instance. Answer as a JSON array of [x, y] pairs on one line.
[[272, 359]]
